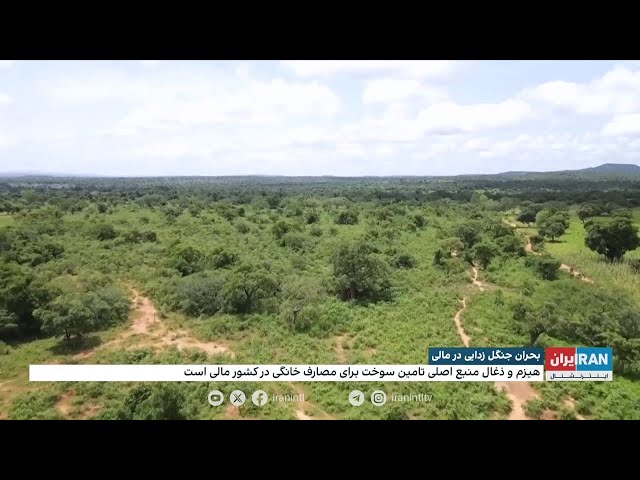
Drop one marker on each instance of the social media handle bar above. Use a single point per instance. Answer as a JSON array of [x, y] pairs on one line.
[[280, 373]]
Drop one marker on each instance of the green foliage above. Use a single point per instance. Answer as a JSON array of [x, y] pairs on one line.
[[468, 234], [247, 288], [75, 314], [359, 273], [187, 260], [484, 252], [397, 411], [301, 301], [528, 215], [589, 210], [420, 221], [104, 231], [546, 267], [222, 258], [347, 218], [136, 236], [35, 406], [153, 402], [611, 237], [404, 260], [534, 408], [552, 225], [198, 294], [313, 217]]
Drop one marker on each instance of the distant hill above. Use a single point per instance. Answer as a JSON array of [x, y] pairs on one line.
[[604, 170], [614, 168]]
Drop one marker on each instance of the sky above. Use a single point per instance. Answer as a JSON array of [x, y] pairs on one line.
[[316, 117]]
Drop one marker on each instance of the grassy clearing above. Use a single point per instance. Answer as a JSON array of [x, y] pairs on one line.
[[570, 249]]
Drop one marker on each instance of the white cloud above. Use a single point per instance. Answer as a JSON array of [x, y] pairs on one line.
[[7, 63], [616, 92], [623, 125], [449, 117], [149, 63], [336, 117], [246, 103], [5, 140], [383, 90], [410, 68]]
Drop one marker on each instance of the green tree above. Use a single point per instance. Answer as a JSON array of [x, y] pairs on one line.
[[19, 297], [483, 253], [347, 218], [528, 215], [404, 260], [533, 321], [468, 234], [199, 294], [313, 217], [611, 237], [300, 305], [419, 221], [246, 286], [552, 228], [510, 245], [104, 231], [589, 210], [439, 258], [222, 258], [547, 267], [359, 273], [153, 402], [187, 260], [68, 316]]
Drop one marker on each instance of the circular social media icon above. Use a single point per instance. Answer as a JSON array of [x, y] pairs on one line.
[[356, 398], [237, 397], [216, 398], [378, 398], [259, 398]]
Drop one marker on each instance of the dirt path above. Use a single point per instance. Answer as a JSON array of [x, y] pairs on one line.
[[575, 273], [303, 406], [64, 406], [571, 403], [147, 330], [475, 280], [518, 392], [564, 267], [339, 350], [456, 319]]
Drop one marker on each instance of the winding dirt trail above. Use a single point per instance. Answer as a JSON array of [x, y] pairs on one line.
[[339, 350], [456, 319], [147, 330], [518, 392], [564, 267]]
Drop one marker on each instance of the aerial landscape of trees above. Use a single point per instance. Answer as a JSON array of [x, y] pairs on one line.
[[322, 270]]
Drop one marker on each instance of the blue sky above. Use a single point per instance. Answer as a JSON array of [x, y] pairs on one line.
[[130, 118]]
